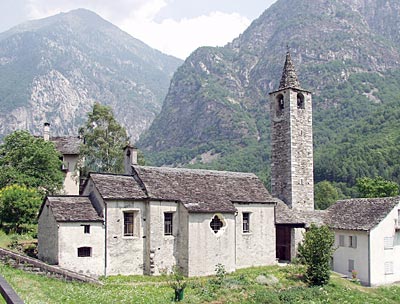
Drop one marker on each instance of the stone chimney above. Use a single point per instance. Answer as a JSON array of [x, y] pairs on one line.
[[46, 131], [130, 158]]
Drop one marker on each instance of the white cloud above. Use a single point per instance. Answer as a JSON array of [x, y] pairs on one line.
[[137, 17], [180, 38]]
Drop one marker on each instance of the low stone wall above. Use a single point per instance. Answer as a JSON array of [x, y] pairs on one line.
[[34, 265]]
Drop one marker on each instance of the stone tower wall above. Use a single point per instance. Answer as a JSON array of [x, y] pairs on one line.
[[292, 148]]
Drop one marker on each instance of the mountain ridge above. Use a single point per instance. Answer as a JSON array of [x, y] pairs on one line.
[[218, 99], [58, 66]]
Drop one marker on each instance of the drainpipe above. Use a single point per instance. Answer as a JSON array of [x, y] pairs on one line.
[[105, 239], [369, 258], [236, 215]]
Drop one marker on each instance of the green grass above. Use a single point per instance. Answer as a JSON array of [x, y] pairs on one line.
[[238, 287]]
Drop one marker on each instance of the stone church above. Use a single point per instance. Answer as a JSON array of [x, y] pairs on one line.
[[150, 219]]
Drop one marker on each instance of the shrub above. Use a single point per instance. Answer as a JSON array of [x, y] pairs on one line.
[[316, 253]]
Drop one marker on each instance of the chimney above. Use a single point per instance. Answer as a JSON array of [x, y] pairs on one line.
[[46, 131], [130, 158]]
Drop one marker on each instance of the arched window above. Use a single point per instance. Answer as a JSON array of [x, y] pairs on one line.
[[280, 105], [84, 251], [300, 101]]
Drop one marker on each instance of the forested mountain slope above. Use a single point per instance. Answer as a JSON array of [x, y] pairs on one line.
[[53, 70], [346, 51]]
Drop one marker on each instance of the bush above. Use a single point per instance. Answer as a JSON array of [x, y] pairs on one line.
[[19, 206], [316, 253]]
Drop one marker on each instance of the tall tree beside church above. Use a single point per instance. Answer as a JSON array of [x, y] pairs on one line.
[[104, 139], [30, 161]]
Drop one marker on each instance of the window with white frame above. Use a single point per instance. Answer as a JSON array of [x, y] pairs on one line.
[[168, 217], [129, 223], [246, 222], [341, 241], [353, 241], [388, 242], [389, 267]]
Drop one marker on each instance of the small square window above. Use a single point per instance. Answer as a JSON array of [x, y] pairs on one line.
[[84, 251], [86, 229], [168, 216], [128, 223], [246, 222]]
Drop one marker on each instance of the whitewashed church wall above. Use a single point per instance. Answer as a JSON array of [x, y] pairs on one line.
[[206, 248], [72, 237], [125, 254], [162, 248], [256, 247], [47, 236]]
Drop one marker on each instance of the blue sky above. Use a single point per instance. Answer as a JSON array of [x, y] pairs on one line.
[[175, 27]]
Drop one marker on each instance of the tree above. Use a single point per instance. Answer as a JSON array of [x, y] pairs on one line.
[[376, 187], [325, 194], [19, 205], [316, 252], [104, 139], [30, 161]]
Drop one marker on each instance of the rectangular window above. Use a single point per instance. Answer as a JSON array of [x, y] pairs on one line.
[[246, 222], [128, 223], [341, 241], [86, 229], [388, 242], [388, 267], [351, 265], [353, 241], [84, 251], [168, 223]]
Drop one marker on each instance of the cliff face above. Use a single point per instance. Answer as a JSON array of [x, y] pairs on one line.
[[221, 94], [54, 69]]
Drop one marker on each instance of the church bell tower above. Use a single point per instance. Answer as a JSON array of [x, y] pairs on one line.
[[292, 178]]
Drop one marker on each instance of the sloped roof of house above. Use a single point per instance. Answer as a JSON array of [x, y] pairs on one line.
[[67, 145], [285, 215], [117, 186], [72, 209], [202, 190], [360, 213]]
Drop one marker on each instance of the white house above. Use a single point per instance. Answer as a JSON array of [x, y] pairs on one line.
[[154, 218], [367, 237]]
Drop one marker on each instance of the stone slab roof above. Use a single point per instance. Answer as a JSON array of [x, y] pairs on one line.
[[117, 186], [360, 213], [202, 190], [72, 209], [67, 144], [285, 215]]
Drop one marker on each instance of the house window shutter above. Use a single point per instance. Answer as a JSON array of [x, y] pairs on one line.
[[388, 242], [341, 240]]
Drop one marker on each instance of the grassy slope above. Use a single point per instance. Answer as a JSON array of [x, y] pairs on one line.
[[239, 287]]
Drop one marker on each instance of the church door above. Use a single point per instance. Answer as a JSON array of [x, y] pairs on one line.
[[283, 241]]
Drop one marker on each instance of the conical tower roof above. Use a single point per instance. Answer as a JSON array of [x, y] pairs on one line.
[[289, 77]]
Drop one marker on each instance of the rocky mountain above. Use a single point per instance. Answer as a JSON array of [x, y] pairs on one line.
[[346, 51], [55, 68]]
